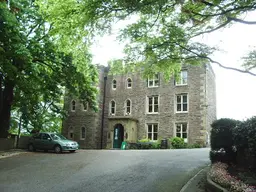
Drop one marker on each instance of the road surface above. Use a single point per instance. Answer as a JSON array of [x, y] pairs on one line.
[[101, 170]]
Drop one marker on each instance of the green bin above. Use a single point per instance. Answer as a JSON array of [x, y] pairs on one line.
[[124, 145]]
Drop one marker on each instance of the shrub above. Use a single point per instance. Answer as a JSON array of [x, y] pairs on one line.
[[177, 143], [222, 138], [244, 139], [221, 133], [144, 141], [156, 145], [197, 145], [218, 156], [147, 144], [132, 146]]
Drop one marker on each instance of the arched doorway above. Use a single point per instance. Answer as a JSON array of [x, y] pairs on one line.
[[118, 136]]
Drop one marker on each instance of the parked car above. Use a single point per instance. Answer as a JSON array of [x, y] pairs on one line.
[[51, 141]]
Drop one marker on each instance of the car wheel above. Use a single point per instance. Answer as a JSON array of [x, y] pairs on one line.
[[72, 151], [57, 149], [31, 147]]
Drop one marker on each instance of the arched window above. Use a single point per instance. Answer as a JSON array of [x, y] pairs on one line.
[[114, 84], [73, 105], [84, 105], [70, 133], [112, 107], [128, 107], [129, 83], [82, 136]]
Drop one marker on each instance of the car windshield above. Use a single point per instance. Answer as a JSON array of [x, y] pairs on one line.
[[58, 137]]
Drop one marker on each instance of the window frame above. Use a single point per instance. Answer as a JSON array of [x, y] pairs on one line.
[[83, 106], [181, 103], [152, 131], [181, 80], [71, 130], [125, 105], [73, 105], [153, 80], [127, 83], [153, 105], [110, 107], [114, 84], [181, 132], [81, 133]]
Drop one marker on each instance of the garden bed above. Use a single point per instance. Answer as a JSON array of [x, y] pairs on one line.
[[245, 175], [232, 178]]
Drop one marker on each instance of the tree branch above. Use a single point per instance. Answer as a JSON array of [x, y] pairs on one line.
[[212, 30], [41, 61], [216, 62], [241, 21]]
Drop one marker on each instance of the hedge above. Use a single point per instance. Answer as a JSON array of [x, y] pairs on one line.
[[244, 136], [233, 141], [222, 139]]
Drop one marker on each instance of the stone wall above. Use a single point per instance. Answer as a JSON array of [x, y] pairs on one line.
[[88, 119], [23, 142], [6, 144], [167, 91], [201, 107], [211, 98]]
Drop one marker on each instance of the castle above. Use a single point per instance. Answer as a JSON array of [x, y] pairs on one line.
[[133, 108]]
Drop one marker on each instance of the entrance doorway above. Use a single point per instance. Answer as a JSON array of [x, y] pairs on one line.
[[118, 136]]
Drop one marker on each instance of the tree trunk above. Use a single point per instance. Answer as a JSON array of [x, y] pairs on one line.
[[5, 113]]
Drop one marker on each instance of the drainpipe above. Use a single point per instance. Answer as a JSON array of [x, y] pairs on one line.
[[103, 110]]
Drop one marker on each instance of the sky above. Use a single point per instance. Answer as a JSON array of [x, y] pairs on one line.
[[235, 92]]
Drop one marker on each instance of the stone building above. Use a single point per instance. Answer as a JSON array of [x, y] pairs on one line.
[[133, 108]]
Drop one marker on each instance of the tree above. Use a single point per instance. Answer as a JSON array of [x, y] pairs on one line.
[[164, 35], [34, 72]]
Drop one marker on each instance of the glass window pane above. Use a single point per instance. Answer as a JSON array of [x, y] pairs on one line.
[[128, 103], [150, 100], [155, 127], [149, 128], [184, 135], [184, 81], [184, 127], [83, 132], [156, 108], [178, 99], [150, 83], [85, 105], [179, 107], [178, 135], [185, 98], [185, 107], [156, 82], [155, 100], [114, 84], [155, 136], [184, 74], [178, 128], [128, 110], [150, 108], [150, 136]]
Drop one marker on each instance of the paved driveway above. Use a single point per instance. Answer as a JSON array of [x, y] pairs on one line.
[[101, 170]]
